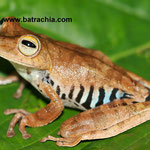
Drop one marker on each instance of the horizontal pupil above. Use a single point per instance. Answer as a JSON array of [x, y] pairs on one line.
[[28, 43]]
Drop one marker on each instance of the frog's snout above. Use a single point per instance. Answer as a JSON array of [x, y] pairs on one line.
[[9, 26]]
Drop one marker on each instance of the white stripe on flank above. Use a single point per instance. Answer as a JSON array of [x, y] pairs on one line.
[[107, 95], [119, 94], [85, 95], [95, 97]]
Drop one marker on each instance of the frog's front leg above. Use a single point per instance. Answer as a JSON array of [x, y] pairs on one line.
[[39, 118], [14, 77], [101, 122]]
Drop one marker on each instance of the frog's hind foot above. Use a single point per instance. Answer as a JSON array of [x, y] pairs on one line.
[[20, 115], [68, 142]]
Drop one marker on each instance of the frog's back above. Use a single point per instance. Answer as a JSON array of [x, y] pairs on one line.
[[85, 82], [80, 80]]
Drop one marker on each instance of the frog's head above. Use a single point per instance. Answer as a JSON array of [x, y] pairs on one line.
[[23, 47]]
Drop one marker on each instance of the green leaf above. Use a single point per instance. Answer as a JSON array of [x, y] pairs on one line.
[[119, 28]]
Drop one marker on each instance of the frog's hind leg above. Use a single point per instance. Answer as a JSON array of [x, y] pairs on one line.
[[102, 133], [102, 122], [120, 127]]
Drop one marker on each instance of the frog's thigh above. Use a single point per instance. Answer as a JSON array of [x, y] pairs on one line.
[[102, 122], [118, 128], [118, 120]]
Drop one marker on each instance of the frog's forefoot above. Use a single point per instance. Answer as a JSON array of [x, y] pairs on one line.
[[20, 115], [20, 89], [14, 78]]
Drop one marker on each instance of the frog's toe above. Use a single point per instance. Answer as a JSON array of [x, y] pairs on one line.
[[49, 137], [16, 111], [17, 95], [10, 132], [26, 135], [21, 115], [68, 142], [58, 133], [19, 91]]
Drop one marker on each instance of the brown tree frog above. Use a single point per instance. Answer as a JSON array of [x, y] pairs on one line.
[[113, 99]]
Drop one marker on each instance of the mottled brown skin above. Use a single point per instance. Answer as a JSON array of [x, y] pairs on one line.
[[74, 63]]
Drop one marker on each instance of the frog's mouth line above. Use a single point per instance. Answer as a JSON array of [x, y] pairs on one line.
[[17, 62]]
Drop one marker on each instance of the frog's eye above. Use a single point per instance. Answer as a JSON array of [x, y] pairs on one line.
[[1, 23], [29, 45]]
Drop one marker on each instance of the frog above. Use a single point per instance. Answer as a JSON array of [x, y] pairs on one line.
[[111, 98]]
